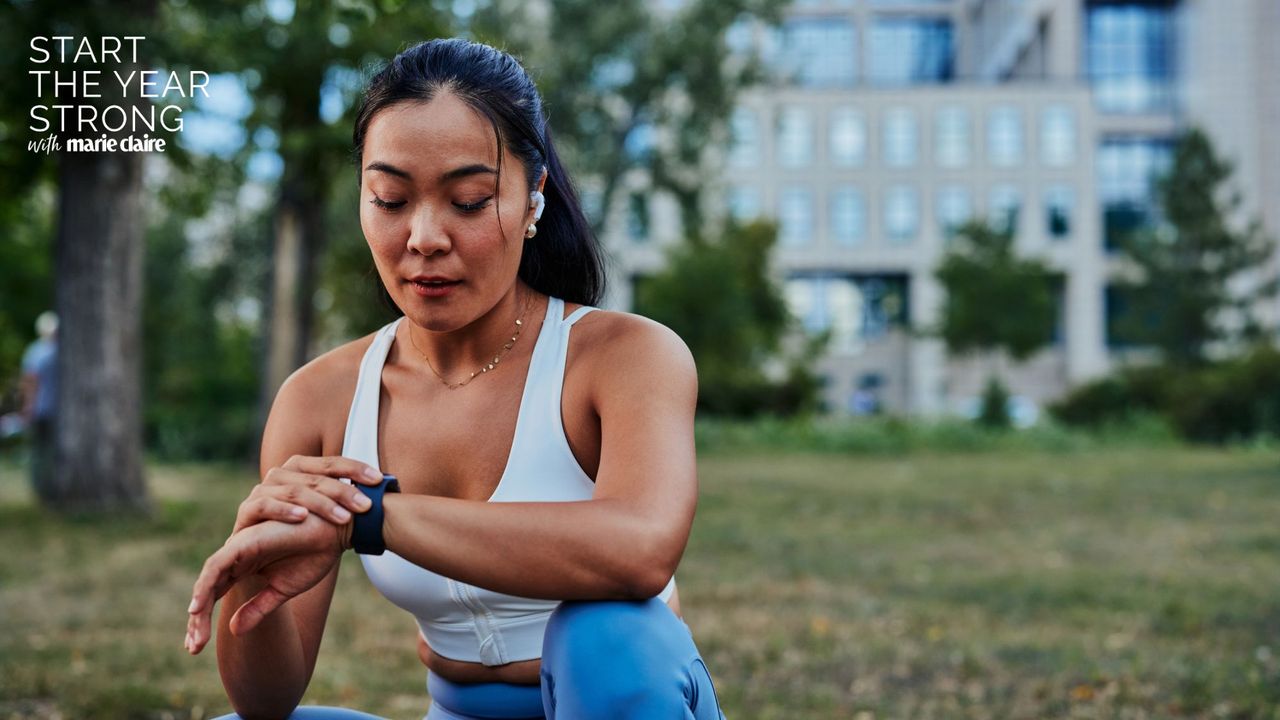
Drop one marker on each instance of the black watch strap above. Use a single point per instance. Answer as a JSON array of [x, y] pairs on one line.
[[366, 527]]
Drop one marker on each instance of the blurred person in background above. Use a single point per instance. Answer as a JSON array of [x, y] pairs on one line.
[[546, 479], [40, 400]]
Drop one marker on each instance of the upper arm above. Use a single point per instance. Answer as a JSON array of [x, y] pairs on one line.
[[645, 390]]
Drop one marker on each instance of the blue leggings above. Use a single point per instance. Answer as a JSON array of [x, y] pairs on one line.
[[617, 659]]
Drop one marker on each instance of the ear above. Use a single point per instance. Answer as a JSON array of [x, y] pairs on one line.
[[537, 202]]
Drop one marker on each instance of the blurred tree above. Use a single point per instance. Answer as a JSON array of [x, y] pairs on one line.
[[1196, 271], [98, 241], [718, 296], [207, 259], [26, 278], [995, 302], [302, 63], [28, 196], [633, 87]]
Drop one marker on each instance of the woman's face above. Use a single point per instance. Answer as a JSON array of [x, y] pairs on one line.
[[428, 210]]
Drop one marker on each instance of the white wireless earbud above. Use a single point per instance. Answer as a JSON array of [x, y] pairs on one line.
[[539, 202]]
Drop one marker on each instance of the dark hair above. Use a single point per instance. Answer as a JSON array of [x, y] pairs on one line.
[[564, 260]]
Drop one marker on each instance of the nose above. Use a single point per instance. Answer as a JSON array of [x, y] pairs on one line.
[[427, 236]]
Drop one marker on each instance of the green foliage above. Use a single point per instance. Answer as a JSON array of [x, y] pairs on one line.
[[895, 437], [995, 406], [994, 299], [719, 297], [201, 334], [26, 283], [1188, 268], [1226, 401]]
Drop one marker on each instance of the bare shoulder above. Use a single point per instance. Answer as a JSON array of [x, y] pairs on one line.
[[625, 354], [315, 399]]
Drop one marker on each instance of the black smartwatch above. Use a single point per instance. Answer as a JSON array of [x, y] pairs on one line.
[[366, 527]]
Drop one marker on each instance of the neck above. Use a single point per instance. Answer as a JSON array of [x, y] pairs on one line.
[[455, 354]]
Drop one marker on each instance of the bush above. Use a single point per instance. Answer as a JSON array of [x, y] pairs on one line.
[[995, 406], [1229, 401], [897, 436]]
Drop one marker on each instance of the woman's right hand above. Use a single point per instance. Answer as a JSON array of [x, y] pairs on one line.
[[287, 560], [306, 485]]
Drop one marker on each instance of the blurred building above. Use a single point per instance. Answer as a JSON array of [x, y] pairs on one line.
[[892, 121]]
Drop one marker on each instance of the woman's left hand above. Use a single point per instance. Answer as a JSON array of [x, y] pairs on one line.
[[305, 486], [289, 559]]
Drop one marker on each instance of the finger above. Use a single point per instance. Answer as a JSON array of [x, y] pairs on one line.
[[328, 498], [335, 466], [215, 579], [317, 494], [256, 608], [265, 508]]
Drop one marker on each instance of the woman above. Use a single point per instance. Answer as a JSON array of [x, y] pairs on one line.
[[536, 465]]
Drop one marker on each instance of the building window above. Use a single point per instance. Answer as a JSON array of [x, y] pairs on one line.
[[854, 309], [1059, 207], [638, 217], [900, 137], [848, 137], [1057, 136], [795, 137], [952, 137], [1127, 170], [848, 215], [1003, 207], [1004, 137], [795, 217], [954, 209], [744, 203], [819, 52], [1130, 51], [745, 127], [911, 51], [901, 213]]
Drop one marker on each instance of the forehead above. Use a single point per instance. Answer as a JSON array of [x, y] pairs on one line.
[[429, 138]]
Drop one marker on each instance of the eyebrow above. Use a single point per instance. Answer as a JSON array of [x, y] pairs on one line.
[[464, 171]]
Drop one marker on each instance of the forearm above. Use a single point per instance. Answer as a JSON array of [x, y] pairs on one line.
[[263, 671], [596, 549]]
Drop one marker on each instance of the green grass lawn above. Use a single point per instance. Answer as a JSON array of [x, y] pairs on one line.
[[1116, 583]]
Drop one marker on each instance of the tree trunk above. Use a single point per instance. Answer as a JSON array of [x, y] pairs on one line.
[[98, 261], [299, 240]]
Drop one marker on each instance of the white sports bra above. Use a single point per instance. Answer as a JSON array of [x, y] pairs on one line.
[[461, 621]]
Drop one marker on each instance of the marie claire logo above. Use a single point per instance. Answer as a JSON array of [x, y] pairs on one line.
[[101, 96]]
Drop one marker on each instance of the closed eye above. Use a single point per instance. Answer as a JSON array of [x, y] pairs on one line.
[[474, 207], [389, 206]]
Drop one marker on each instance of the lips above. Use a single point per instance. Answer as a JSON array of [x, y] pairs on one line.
[[433, 280], [433, 286]]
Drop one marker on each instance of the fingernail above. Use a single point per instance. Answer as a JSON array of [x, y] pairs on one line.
[[298, 512], [362, 501], [192, 607], [372, 474], [341, 514]]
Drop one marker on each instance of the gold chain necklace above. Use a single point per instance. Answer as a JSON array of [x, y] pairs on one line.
[[487, 366]]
